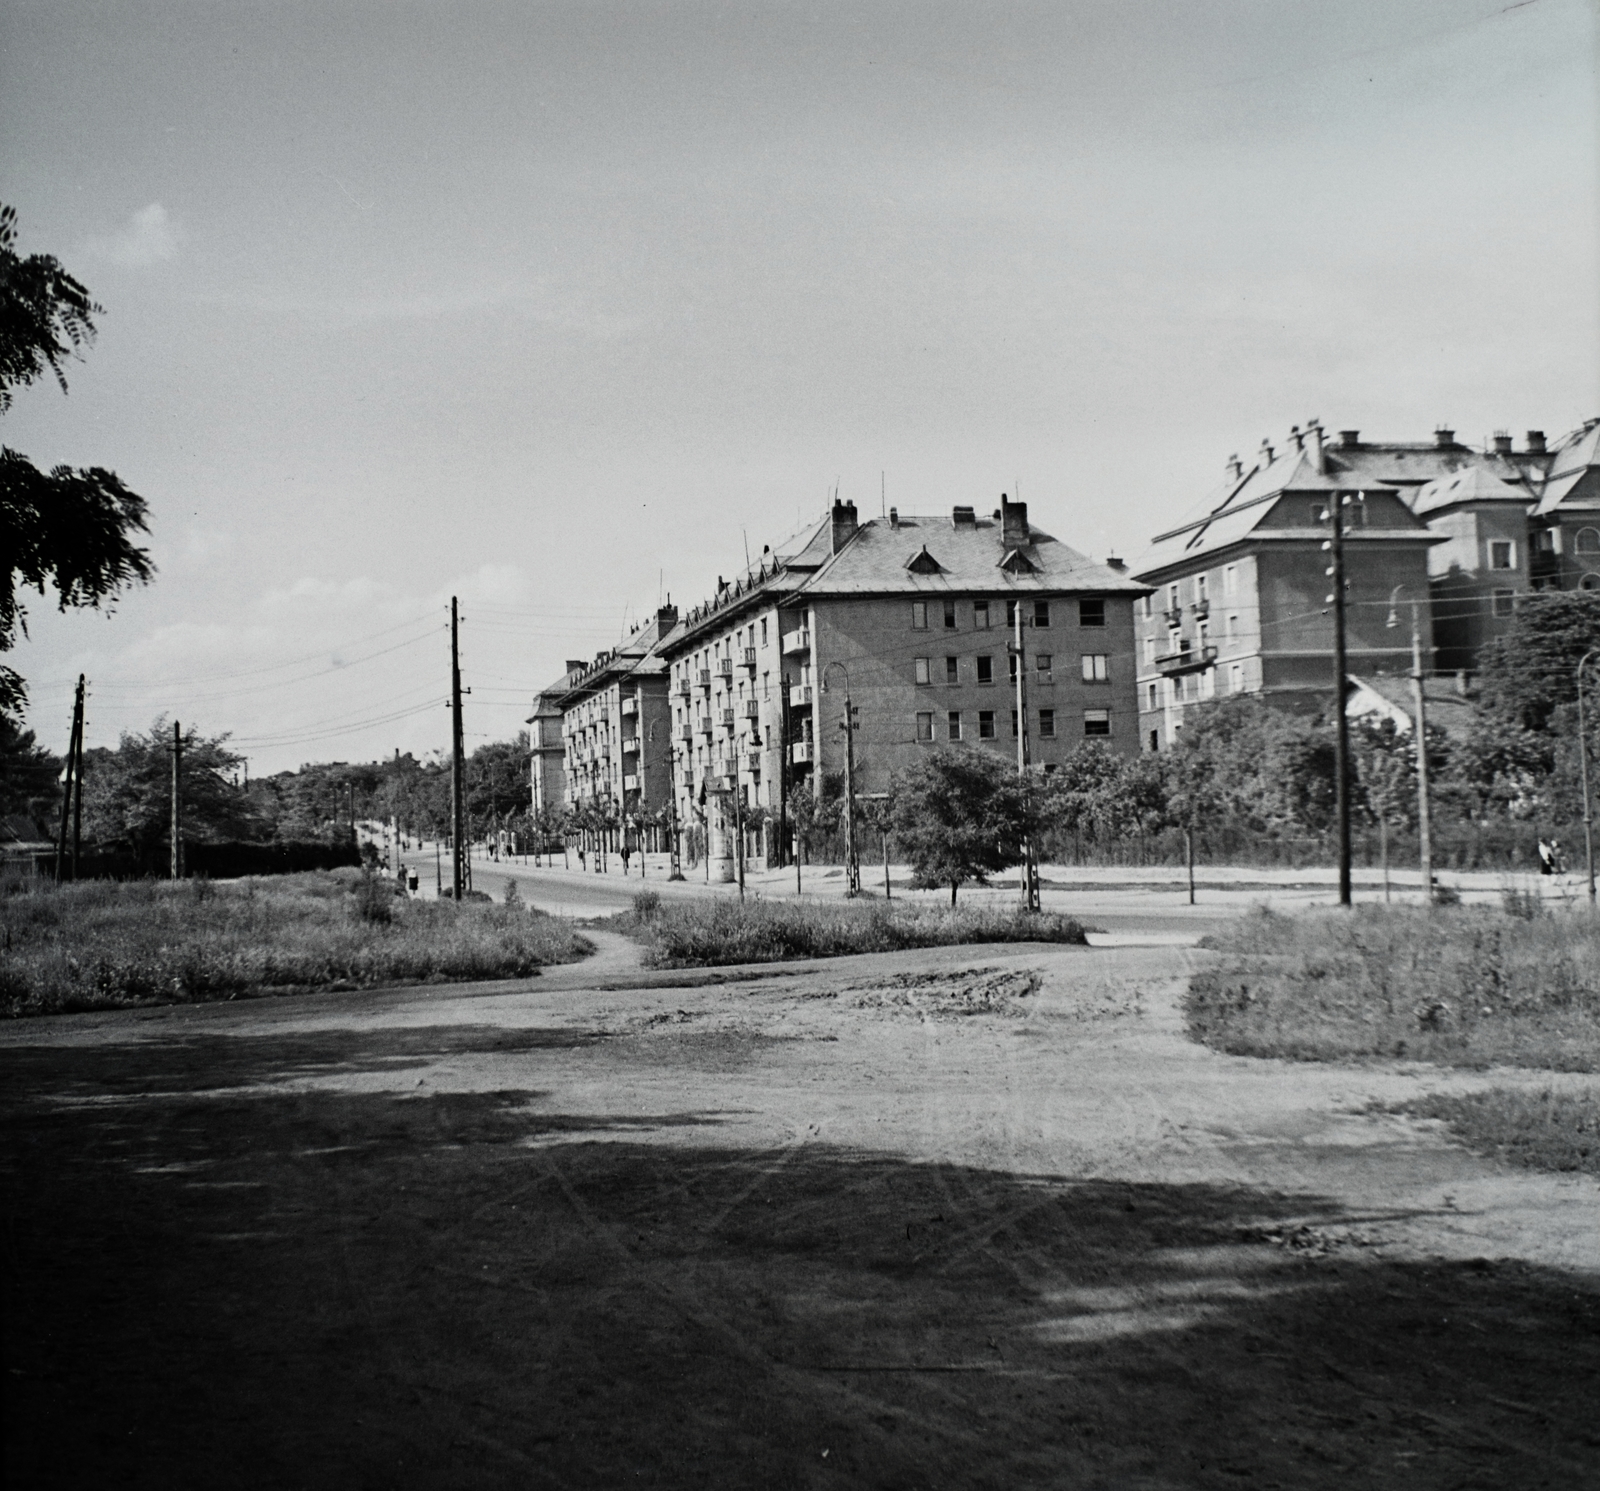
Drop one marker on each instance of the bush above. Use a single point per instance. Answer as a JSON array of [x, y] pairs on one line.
[[712, 932], [1542, 1130], [1467, 987], [101, 944], [374, 899]]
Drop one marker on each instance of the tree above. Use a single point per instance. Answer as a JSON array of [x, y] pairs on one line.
[[960, 814], [29, 774], [68, 527]]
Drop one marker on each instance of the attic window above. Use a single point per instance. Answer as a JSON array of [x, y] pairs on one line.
[[1017, 563], [923, 563]]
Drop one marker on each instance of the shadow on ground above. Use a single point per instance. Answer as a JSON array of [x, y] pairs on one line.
[[323, 1288]]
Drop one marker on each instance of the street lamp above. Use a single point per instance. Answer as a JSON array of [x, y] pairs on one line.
[[1424, 813], [1583, 768], [852, 869]]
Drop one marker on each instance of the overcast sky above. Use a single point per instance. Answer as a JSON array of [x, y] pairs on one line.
[[556, 306]]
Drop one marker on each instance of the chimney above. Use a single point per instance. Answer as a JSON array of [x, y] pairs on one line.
[[1119, 565], [894, 517], [576, 665], [1443, 437], [1502, 442], [1319, 458], [666, 618], [844, 524], [1013, 524], [963, 517], [1349, 439], [1536, 442], [1297, 437], [1266, 452], [1235, 467]]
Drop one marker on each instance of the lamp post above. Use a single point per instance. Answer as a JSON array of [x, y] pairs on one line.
[[852, 869], [1583, 768], [1424, 811]]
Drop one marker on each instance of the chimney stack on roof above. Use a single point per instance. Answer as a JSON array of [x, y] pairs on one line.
[[666, 618], [1318, 458], [576, 665], [1536, 442], [1112, 562], [1502, 442], [963, 517], [1442, 436], [1235, 467], [844, 524], [1266, 452], [1013, 524], [894, 517], [1349, 439]]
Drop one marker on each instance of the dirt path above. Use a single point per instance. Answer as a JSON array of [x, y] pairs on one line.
[[968, 1217]]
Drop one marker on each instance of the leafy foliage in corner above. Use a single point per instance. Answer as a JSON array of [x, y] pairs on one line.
[[961, 815]]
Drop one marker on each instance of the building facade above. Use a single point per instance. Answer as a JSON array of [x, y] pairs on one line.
[[912, 619]]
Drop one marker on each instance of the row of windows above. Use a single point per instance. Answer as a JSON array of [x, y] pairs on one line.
[[1095, 666], [1091, 612], [956, 724], [1199, 589]]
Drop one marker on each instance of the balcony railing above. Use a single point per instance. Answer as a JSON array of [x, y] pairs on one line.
[[630, 708], [1201, 609], [1174, 615], [801, 752], [754, 759], [705, 678], [683, 687], [725, 666], [752, 709], [1187, 660], [798, 640], [750, 658], [630, 783], [800, 696], [727, 719], [706, 726]]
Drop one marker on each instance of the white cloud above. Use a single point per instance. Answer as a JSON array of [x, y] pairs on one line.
[[148, 237]]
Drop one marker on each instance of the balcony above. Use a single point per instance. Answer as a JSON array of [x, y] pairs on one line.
[[752, 709], [704, 679], [800, 696], [727, 719], [725, 666], [706, 726], [630, 746], [630, 709], [630, 783], [753, 759], [750, 658], [798, 640], [1187, 659], [686, 731], [802, 753], [683, 688], [1174, 615], [1201, 609]]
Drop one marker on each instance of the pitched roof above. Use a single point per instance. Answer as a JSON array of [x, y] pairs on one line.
[[1574, 457], [971, 557], [1480, 483]]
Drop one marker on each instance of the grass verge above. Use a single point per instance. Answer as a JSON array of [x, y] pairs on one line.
[[1542, 1130], [105, 944], [1462, 987], [712, 931]]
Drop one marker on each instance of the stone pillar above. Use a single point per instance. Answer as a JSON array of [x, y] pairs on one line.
[[719, 838]]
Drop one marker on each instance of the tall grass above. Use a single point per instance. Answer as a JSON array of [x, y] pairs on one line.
[[712, 931], [101, 944], [1464, 986], [1542, 1130]]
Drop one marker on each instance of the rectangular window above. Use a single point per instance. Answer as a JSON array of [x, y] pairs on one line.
[[1200, 589], [1044, 661], [1230, 580], [1502, 554], [1096, 667], [1013, 724], [763, 631], [1097, 722], [919, 616], [1236, 678], [985, 724], [953, 724], [1011, 671], [1155, 696], [925, 725], [1011, 615], [980, 615], [1041, 613], [1172, 597], [952, 670], [1149, 649], [1150, 605], [1505, 602], [985, 668], [1047, 724], [924, 669], [950, 615], [1232, 628], [1092, 612]]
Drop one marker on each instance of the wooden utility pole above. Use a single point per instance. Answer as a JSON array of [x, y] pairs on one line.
[[1341, 722], [852, 868], [457, 816], [1030, 874], [1424, 810], [70, 778], [77, 784], [177, 802]]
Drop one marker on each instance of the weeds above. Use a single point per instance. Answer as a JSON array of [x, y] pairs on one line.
[[1542, 1130], [713, 932], [1465, 987], [101, 944]]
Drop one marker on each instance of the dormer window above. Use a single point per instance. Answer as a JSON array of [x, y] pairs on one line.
[[923, 563], [1017, 563]]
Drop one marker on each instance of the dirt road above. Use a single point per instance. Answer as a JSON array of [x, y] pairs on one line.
[[964, 1218]]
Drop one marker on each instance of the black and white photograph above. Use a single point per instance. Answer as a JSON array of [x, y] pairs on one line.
[[778, 744]]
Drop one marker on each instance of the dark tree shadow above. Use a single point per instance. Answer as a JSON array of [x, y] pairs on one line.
[[336, 1288]]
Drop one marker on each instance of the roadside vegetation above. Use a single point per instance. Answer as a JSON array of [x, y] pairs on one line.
[[1462, 987], [1543, 1130], [713, 932], [105, 944]]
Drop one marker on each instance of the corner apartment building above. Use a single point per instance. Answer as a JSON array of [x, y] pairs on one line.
[[911, 617], [1239, 603], [614, 725]]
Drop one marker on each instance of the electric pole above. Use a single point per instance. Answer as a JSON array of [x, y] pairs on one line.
[[1341, 723], [1420, 710], [852, 868], [73, 772], [177, 802], [77, 785], [456, 814], [1030, 876]]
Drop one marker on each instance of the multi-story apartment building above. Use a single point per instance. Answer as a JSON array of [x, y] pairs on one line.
[[547, 752], [912, 617], [1239, 604], [614, 726]]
